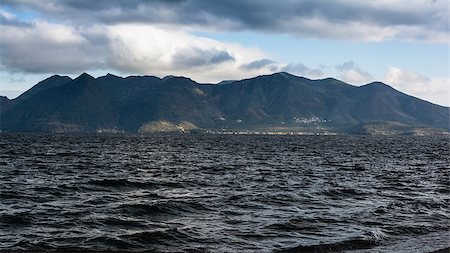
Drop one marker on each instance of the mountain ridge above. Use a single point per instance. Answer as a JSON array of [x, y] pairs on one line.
[[275, 102]]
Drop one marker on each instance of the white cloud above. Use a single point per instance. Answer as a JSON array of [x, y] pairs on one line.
[[320, 27], [435, 90], [60, 34], [404, 78], [152, 50], [43, 47], [351, 73], [6, 15]]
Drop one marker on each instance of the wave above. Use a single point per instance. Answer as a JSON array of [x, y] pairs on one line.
[[222, 193], [303, 224], [15, 220], [123, 182], [352, 244], [163, 208], [157, 236]]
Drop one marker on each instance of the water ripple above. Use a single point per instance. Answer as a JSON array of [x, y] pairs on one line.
[[212, 193]]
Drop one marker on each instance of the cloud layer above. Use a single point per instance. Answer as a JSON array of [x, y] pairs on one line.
[[418, 85], [334, 19], [136, 36], [40, 46], [43, 47]]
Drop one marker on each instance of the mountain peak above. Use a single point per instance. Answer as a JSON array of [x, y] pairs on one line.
[[378, 83], [85, 77], [110, 76], [179, 78], [286, 75], [168, 77], [332, 79], [48, 83], [56, 77], [378, 86]]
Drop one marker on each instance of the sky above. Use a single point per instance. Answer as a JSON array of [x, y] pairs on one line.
[[404, 43]]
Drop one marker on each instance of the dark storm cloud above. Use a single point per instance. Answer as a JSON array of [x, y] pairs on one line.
[[288, 16], [197, 57], [258, 64], [222, 56]]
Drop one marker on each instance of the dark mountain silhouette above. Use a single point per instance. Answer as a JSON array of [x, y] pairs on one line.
[[277, 102], [5, 103], [51, 82], [4, 100]]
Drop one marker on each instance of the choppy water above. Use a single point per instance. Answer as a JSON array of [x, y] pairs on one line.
[[212, 193]]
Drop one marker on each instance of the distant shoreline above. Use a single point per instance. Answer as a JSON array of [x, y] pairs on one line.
[[444, 250], [243, 132]]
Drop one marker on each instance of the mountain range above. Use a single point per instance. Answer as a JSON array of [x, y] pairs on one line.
[[279, 102]]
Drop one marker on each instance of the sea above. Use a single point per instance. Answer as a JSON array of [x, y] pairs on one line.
[[224, 193]]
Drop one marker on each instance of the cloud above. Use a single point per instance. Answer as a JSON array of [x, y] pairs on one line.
[[405, 78], [341, 19], [293, 68], [43, 47], [7, 18], [302, 70], [258, 64], [152, 50], [198, 57], [352, 73], [436, 89]]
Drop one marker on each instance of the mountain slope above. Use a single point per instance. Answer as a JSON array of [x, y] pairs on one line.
[[279, 98], [76, 106], [378, 101], [51, 82], [279, 101], [4, 105], [4, 102]]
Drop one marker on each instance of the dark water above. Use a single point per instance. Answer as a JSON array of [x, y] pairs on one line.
[[212, 193]]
